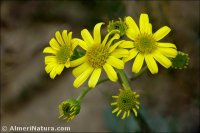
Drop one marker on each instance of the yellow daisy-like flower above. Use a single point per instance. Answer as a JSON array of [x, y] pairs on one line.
[[145, 45], [99, 55], [126, 102], [62, 48]]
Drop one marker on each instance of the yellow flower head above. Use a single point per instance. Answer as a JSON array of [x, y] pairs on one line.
[[145, 45], [61, 49], [126, 102], [69, 109], [99, 55]]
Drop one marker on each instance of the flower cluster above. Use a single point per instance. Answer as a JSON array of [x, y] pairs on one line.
[[124, 41]]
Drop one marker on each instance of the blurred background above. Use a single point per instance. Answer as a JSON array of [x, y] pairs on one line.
[[170, 100]]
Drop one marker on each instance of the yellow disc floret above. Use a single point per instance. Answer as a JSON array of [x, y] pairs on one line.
[[97, 56], [63, 54], [145, 43]]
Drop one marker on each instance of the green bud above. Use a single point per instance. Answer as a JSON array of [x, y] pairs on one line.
[[181, 61], [68, 109], [117, 25]]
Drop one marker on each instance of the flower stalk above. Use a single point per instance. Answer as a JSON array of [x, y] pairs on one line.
[[125, 81], [87, 89]]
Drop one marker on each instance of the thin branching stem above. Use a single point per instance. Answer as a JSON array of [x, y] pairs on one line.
[[87, 89]]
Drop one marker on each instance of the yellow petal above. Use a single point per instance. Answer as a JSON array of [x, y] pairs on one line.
[[81, 43], [135, 112], [94, 77], [112, 75], [80, 69], [128, 113], [130, 33], [137, 106], [50, 67], [168, 52], [162, 59], [74, 43], [59, 69], [151, 64], [126, 44], [115, 96], [162, 32], [49, 50], [144, 23], [97, 33], [166, 45], [132, 54], [124, 115], [64, 35], [78, 61], [132, 25], [53, 72], [69, 38], [115, 103], [114, 46], [83, 77], [149, 29], [119, 53], [67, 64], [54, 44], [59, 38], [115, 110], [117, 63], [116, 36], [107, 36], [87, 37], [119, 112], [137, 65], [50, 59]]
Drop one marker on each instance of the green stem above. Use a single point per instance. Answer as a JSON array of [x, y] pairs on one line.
[[87, 89], [124, 80], [83, 93]]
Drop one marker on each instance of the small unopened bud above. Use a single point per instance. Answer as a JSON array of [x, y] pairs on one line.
[[68, 109], [117, 25]]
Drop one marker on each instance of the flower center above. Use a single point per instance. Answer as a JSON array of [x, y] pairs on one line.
[[97, 55], [126, 100], [63, 54], [66, 108], [145, 43]]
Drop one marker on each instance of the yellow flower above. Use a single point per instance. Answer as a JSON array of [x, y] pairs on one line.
[[99, 55], [61, 50], [126, 102], [145, 45]]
